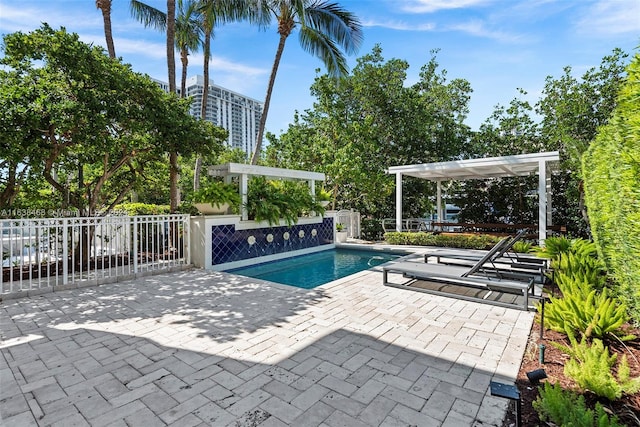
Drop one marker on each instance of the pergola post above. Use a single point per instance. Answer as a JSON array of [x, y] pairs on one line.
[[542, 202], [549, 202], [439, 201], [244, 188], [398, 202]]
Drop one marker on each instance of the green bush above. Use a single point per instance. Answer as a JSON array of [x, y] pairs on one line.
[[586, 311], [567, 409], [218, 193], [611, 174], [141, 209], [522, 247], [272, 200], [554, 247], [586, 306], [575, 268], [371, 229], [443, 240], [591, 366]]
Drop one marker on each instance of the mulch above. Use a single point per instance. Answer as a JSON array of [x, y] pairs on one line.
[[627, 409]]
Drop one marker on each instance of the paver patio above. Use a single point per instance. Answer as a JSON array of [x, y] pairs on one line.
[[207, 348]]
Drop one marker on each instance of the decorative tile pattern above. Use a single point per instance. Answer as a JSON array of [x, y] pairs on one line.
[[229, 244]]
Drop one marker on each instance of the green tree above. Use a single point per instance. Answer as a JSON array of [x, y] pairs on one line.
[[184, 32], [572, 110], [325, 27], [214, 13], [365, 122], [509, 130], [188, 34], [90, 120]]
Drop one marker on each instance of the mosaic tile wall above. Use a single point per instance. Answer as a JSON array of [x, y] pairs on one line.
[[229, 244]]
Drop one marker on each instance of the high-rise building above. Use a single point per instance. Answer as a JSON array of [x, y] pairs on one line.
[[238, 114]]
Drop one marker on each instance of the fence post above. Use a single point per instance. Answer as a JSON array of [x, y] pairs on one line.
[[65, 251], [135, 244]]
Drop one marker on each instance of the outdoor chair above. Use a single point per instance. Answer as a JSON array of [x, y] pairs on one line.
[[502, 256], [459, 277]]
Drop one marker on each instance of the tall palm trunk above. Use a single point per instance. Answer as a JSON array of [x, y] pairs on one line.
[[184, 59], [171, 67], [105, 8], [197, 170], [267, 99]]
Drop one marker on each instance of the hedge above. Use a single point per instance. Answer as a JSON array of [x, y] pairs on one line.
[[611, 173], [467, 241]]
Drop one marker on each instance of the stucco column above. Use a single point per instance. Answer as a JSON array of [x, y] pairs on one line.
[[398, 202], [542, 202], [439, 201]]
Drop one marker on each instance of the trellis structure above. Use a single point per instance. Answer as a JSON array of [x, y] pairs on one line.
[[484, 168]]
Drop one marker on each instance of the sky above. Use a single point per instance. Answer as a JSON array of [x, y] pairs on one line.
[[496, 45]]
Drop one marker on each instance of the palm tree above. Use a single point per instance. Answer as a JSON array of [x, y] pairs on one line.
[[171, 41], [324, 28], [105, 8], [215, 12], [188, 33], [185, 35]]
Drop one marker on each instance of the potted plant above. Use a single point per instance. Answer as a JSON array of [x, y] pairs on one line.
[[341, 233], [323, 197], [216, 198]]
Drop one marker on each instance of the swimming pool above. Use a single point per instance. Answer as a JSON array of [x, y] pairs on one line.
[[312, 270]]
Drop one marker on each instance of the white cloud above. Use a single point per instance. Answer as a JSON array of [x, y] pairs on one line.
[[20, 18], [478, 29], [225, 65], [399, 25], [429, 6], [611, 17], [138, 47]]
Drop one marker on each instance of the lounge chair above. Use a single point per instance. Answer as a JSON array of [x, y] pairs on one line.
[[460, 277], [501, 256]]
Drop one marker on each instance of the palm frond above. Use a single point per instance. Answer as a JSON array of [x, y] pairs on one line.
[[148, 16], [324, 48], [331, 19], [189, 32]]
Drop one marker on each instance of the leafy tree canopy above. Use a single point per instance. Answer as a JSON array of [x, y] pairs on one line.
[[369, 120], [85, 123]]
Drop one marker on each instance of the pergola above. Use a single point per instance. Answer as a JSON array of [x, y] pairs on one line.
[[489, 167], [244, 172]]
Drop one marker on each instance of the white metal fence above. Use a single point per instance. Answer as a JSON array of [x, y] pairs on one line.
[[351, 221], [42, 255]]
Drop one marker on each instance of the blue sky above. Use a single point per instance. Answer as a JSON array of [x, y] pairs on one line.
[[497, 45]]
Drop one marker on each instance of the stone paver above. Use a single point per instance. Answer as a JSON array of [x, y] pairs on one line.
[[210, 348]]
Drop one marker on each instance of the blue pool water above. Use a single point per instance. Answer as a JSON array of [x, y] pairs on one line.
[[309, 271]]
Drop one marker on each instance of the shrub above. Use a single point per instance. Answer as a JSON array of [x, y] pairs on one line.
[[371, 229], [585, 307], [218, 193], [591, 367], [611, 171], [141, 209], [269, 200], [566, 408], [554, 247], [586, 311], [522, 247], [443, 240]]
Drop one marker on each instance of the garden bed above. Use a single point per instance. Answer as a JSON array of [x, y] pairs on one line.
[[627, 409]]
